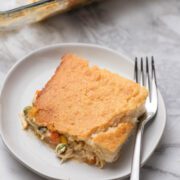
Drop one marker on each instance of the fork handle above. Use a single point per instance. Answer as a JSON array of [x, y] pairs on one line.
[[136, 161]]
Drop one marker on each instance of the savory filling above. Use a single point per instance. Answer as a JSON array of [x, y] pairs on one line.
[[66, 147]]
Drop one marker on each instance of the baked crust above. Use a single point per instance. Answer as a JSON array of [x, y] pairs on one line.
[[80, 100], [111, 141]]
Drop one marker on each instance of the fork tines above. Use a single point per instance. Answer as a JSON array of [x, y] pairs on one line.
[[144, 74]]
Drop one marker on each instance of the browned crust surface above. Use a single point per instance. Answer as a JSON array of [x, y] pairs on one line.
[[79, 100], [112, 139]]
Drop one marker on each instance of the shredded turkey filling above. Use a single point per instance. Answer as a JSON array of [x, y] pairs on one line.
[[66, 147]]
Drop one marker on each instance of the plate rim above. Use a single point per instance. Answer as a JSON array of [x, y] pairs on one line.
[[47, 47]]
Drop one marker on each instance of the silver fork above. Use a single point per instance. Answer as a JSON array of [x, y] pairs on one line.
[[144, 77]]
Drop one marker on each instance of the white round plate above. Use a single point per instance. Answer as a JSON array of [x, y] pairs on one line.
[[31, 73]]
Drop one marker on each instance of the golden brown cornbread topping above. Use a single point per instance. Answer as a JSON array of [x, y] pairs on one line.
[[79, 100]]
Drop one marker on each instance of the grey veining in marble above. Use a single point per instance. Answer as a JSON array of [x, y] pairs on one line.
[[132, 27]]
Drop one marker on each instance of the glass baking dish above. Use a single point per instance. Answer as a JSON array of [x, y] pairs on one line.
[[15, 13]]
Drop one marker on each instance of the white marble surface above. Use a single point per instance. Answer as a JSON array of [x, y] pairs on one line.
[[133, 27]]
